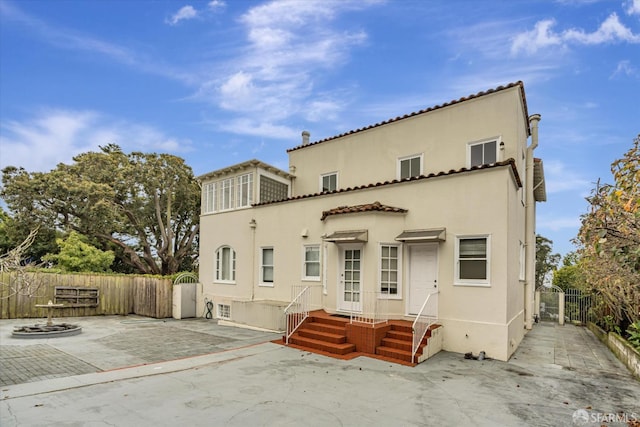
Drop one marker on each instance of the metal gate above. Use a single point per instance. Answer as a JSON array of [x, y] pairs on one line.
[[578, 306], [187, 282], [550, 304]]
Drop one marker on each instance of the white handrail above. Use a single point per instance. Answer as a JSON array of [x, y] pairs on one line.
[[296, 312], [421, 325], [374, 308]]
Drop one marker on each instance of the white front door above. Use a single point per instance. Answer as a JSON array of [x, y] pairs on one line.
[[423, 277], [349, 282]]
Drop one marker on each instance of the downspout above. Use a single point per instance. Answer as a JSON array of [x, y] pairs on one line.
[[530, 226], [253, 224]]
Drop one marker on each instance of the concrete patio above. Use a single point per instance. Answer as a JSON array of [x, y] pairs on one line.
[[132, 371]]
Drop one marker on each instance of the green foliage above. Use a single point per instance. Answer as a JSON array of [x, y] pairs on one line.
[[634, 335], [610, 325], [546, 261], [77, 255], [570, 274], [13, 232], [143, 207], [609, 240]]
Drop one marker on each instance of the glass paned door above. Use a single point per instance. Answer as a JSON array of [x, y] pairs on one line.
[[350, 280]]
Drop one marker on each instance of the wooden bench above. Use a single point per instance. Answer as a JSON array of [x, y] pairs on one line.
[[72, 296]]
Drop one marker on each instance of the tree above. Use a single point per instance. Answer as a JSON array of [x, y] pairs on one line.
[[13, 233], [15, 278], [570, 274], [609, 240], [144, 207], [546, 262], [77, 255]]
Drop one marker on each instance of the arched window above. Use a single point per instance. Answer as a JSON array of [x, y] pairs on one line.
[[225, 265]]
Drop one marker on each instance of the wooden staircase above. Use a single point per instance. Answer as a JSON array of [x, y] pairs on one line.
[[335, 336]]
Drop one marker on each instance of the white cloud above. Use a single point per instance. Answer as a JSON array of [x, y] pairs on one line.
[[610, 30], [246, 126], [216, 4], [557, 223], [626, 68], [56, 135], [184, 13], [633, 7], [540, 37], [559, 178], [543, 36], [290, 45]]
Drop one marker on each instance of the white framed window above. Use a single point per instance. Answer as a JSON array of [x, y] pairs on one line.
[[329, 182], [483, 153], [523, 262], [224, 311], [245, 190], [209, 197], [473, 256], [410, 166], [390, 272], [225, 265], [311, 265], [266, 266], [226, 194]]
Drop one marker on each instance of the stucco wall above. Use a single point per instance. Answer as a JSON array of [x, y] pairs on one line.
[[441, 136]]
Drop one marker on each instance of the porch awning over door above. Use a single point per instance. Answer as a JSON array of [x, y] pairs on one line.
[[359, 236], [432, 235]]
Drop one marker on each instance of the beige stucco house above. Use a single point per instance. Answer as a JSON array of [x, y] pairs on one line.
[[440, 201]]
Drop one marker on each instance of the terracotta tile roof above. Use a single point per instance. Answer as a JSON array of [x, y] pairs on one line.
[[370, 207], [428, 110], [508, 162]]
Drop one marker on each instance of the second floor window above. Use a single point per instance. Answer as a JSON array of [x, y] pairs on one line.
[[226, 194], [483, 153], [245, 190], [410, 166], [329, 182]]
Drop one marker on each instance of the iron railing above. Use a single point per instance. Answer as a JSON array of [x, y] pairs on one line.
[[423, 322], [374, 308], [298, 310]]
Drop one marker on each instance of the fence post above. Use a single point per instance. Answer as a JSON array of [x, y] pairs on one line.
[[561, 309]]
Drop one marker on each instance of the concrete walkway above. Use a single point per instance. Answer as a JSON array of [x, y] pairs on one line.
[[131, 371]]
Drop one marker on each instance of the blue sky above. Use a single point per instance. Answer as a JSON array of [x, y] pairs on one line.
[[223, 81]]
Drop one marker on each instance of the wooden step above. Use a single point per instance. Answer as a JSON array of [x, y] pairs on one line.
[[323, 336], [334, 348]]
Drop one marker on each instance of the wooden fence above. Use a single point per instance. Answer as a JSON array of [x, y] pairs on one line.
[[118, 295]]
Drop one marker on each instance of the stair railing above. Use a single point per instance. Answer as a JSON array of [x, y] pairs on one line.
[[297, 311], [374, 308], [423, 322]]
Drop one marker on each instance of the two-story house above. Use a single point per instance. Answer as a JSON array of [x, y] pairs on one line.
[[439, 201]]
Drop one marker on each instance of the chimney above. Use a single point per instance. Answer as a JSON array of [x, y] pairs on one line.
[[305, 137]]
